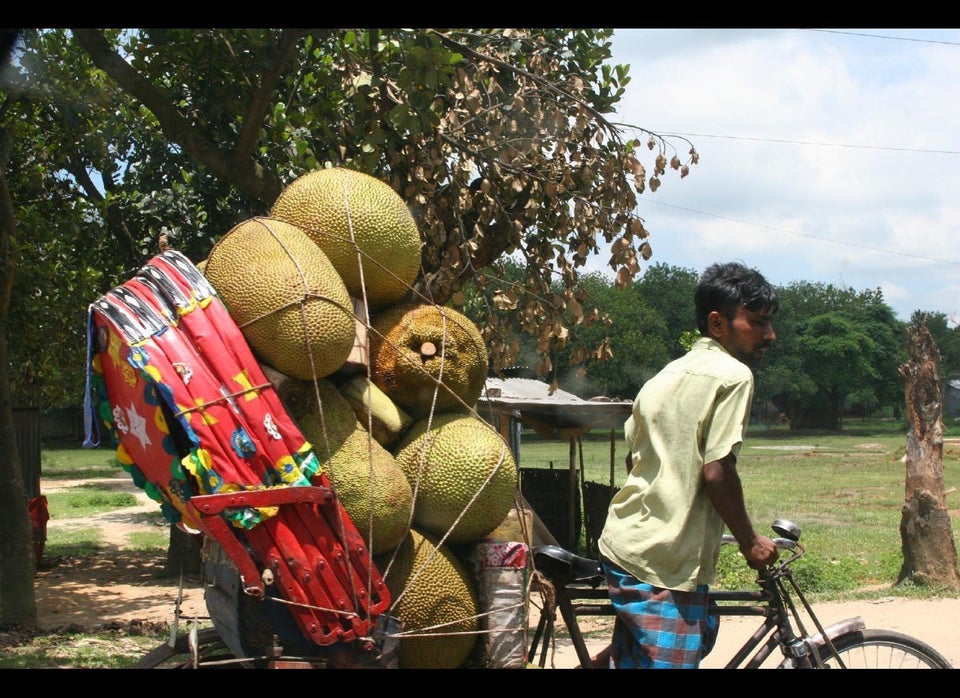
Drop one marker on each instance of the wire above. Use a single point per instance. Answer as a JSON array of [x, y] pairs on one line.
[[805, 235], [880, 36], [828, 145]]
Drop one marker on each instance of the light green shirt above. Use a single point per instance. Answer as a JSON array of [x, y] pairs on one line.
[[661, 526]]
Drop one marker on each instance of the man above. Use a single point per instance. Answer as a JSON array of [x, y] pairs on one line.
[[661, 541]]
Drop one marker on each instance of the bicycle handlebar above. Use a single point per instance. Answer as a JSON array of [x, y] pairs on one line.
[[781, 543]]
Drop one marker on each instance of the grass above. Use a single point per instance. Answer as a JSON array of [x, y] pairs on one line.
[[65, 461], [845, 491], [84, 648], [85, 500]]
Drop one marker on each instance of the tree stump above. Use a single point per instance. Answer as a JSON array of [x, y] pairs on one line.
[[929, 551]]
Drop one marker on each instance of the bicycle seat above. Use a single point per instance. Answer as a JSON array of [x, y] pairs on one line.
[[564, 567]]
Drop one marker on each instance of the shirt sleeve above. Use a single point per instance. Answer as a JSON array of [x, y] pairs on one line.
[[723, 432]]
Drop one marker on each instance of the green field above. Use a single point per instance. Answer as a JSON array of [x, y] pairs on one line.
[[844, 490]]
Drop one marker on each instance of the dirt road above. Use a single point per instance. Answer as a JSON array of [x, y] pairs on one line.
[[933, 621], [120, 585]]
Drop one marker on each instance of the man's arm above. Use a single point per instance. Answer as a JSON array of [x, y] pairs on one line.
[[726, 494]]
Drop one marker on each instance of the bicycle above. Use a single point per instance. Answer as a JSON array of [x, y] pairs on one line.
[[575, 586]]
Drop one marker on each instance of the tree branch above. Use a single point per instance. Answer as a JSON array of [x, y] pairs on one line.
[[260, 102], [112, 214], [242, 172]]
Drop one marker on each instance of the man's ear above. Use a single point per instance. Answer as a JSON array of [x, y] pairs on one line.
[[716, 324]]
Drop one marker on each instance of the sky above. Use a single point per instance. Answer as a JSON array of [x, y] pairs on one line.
[[828, 155]]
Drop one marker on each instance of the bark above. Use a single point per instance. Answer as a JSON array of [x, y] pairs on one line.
[[929, 550], [235, 166], [183, 553], [17, 559]]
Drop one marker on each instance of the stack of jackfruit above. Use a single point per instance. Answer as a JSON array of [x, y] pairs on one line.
[[382, 384]]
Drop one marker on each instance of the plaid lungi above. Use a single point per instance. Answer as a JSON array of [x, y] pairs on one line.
[[658, 628]]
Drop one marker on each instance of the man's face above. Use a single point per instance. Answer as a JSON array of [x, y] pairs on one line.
[[747, 337]]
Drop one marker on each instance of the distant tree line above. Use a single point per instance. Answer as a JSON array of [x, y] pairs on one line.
[[837, 353]]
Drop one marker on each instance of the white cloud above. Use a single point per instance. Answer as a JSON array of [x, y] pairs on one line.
[[812, 154]]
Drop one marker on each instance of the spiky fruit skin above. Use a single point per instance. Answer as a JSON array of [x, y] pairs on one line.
[[345, 211], [431, 588], [285, 296], [459, 466], [409, 374], [327, 419], [367, 480]]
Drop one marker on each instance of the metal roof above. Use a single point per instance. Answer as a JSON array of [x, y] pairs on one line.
[[560, 413]]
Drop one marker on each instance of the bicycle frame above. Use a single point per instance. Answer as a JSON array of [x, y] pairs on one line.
[[776, 629], [579, 590]]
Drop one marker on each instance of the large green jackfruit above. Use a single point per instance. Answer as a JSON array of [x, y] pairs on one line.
[[433, 594], [366, 478], [427, 358], [285, 296], [364, 227], [463, 475]]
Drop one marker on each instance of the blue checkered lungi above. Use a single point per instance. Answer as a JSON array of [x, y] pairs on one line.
[[658, 628]]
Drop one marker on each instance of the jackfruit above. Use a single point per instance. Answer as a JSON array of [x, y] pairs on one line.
[[326, 419], [364, 475], [364, 227], [295, 395], [427, 358], [433, 594], [462, 472], [285, 296]]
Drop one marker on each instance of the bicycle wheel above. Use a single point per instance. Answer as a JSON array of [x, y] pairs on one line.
[[882, 649]]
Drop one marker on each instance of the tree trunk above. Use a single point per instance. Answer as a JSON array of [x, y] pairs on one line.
[[819, 412], [929, 551], [183, 553], [17, 560]]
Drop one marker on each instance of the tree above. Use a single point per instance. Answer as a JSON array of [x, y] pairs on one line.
[[929, 550], [641, 331], [497, 138], [68, 251], [17, 599], [946, 338], [832, 345], [670, 290], [633, 337], [838, 357]]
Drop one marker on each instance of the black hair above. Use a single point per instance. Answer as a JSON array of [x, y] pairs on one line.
[[727, 286]]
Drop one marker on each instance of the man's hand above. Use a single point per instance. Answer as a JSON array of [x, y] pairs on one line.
[[761, 552]]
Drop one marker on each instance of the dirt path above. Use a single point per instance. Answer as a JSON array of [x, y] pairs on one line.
[[119, 586], [933, 621]]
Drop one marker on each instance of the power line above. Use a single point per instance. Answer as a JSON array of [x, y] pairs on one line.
[[806, 235], [828, 145], [836, 145], [880, 36]]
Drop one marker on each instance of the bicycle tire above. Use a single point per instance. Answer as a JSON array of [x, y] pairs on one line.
[[882, 649]]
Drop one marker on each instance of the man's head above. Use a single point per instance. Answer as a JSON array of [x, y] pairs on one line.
[[735, 306]]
